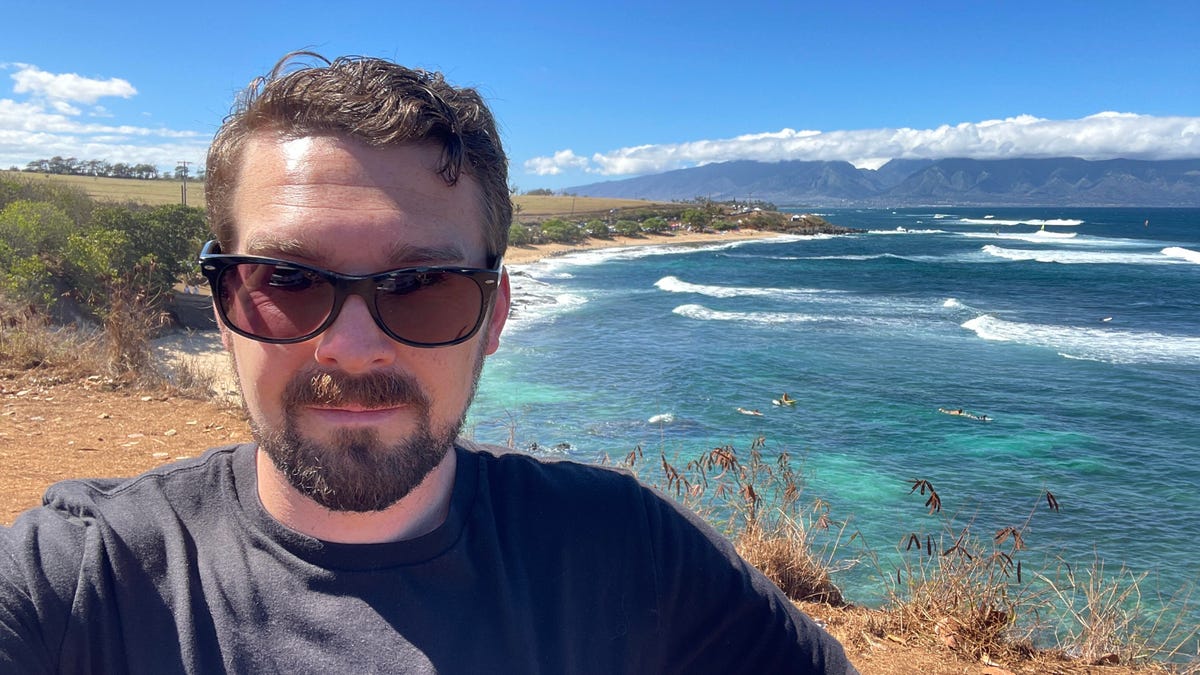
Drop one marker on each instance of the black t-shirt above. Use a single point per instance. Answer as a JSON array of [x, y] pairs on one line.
[[540, 567]]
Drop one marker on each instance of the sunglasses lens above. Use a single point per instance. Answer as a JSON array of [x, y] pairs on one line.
[[276, 302], [429, 308]]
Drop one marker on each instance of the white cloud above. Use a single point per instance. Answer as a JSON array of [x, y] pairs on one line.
[[49, 123], [65, 108], [67, 86], [552, 166], [1104, 135]]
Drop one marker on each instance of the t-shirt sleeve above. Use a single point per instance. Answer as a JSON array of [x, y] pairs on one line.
[[39, 566], [721, 615]]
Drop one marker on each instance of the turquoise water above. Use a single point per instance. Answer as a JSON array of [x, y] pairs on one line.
[[1081, 342]]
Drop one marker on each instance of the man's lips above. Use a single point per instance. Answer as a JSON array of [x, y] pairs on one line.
[[355, 414]]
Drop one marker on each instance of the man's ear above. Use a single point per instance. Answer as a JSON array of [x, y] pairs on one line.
[[498, 316]]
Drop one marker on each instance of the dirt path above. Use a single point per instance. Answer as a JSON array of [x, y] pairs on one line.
[[54, 430]]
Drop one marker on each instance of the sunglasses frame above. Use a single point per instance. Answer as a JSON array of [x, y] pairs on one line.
[[213, 265]]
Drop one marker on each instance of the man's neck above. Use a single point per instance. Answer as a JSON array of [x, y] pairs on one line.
[[419, 512]]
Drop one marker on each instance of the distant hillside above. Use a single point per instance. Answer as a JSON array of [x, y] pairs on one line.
[[1065, 181]]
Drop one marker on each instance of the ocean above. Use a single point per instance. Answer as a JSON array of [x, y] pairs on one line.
[[1076, 331]]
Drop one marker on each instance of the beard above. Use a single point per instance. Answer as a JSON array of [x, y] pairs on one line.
[[354, 471]]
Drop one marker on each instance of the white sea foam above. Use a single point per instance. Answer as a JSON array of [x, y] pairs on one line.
[[673, 284], [535, 301], [1072, 239], [1051, 234], [906, 230], [891, 319], [1053, 222], [662, 418], [1093, 344], [953, 303], [702, 313], [1073, 257], [1182, 253]]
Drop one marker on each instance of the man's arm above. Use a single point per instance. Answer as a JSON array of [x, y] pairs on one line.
[[721, 614], [39, 567]]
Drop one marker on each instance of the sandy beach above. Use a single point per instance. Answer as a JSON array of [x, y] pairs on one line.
[[531, 254]]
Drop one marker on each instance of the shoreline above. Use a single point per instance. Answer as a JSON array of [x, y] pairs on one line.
[[526, 255]]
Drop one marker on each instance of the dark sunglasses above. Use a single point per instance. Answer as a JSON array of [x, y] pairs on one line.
[[279, 301]]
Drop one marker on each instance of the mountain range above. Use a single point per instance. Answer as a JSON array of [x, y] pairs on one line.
[[1063, 181]]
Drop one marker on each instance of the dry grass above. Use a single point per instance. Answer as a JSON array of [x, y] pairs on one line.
[[763, 511], [1104, 618], [156, 192], [974, 595], [29, 342], [151, 192], [120, 354], [536, 206]]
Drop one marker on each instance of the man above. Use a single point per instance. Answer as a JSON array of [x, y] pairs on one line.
[[360, 213]]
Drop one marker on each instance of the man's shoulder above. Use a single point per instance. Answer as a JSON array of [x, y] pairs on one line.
[[514, 465], [562, 488], [179, 481]]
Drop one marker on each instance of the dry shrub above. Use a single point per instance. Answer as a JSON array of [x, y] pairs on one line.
[[971, 594], [130, 321], [786, 558], [966, 597], [761, 507], [1105, 619], [964, 591], [29, 341]]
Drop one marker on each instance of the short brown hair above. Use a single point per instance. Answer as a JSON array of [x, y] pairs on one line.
[[373, 101]]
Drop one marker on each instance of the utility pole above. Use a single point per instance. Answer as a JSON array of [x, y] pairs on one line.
[[183, 184]]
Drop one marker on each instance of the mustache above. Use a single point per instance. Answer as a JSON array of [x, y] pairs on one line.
[[373, 390]]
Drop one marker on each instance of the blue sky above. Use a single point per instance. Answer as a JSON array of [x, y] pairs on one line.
[[587, 93]]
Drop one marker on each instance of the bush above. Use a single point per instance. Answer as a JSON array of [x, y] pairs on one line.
[[627, 228], [562, 232], [116, 266], [32, 238], [523, 235], [72, 199], [597, 228], [654, 225]]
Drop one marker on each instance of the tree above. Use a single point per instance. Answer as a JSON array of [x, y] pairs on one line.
[[560, 231], [627, 228], [519, 235], [654, 225], [696, 218], [597, 228]]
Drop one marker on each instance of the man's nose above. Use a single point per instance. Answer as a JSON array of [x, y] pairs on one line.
[[355, 343]]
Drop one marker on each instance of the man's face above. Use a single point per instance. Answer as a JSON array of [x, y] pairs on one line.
[[352, 418]]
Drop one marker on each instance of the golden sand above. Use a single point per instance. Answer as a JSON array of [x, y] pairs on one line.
[[530, 254]]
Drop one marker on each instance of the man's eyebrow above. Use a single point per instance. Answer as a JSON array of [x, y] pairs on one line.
[[273, 248], [405, 254]]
